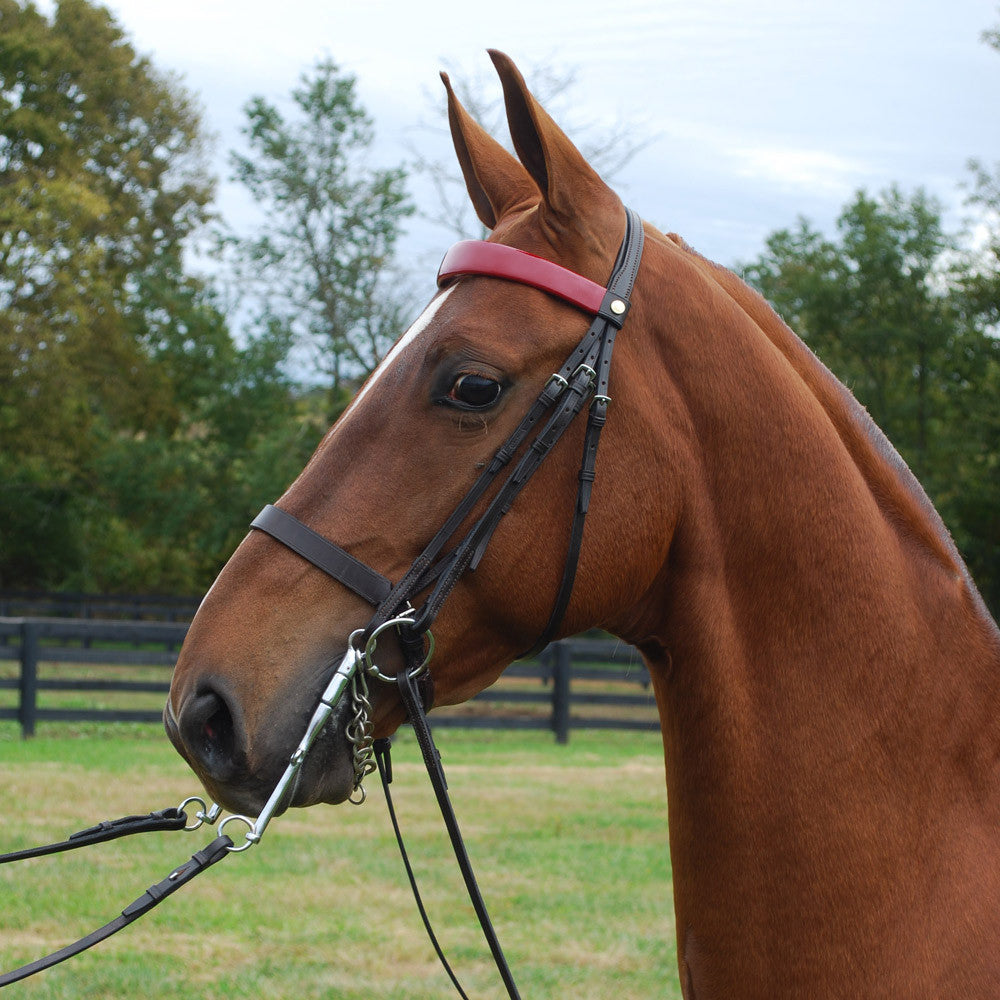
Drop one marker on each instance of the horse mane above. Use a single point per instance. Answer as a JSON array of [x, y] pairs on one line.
[[895, 489]]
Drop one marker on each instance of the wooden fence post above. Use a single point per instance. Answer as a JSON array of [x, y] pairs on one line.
[[561, 668], [27, 709]]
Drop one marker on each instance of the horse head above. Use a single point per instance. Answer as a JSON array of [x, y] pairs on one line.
[[827, 676], [393, 468]]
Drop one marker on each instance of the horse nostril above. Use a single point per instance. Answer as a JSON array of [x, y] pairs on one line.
[[217, 730], [209, 733]]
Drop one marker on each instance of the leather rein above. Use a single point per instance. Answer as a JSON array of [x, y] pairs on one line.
[[584, 376]]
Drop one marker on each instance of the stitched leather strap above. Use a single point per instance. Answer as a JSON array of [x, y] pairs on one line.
[[330, 558], [153, 896], [383, 760], [435, 770], [498, 261], [621, 286], [164, 819]]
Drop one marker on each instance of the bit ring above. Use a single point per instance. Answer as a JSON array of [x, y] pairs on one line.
[[250, 837], [369, 649]]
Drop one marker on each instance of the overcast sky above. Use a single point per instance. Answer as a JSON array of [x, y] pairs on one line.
[[757, 111]]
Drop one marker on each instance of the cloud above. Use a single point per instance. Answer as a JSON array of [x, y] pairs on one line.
[[816, 170]]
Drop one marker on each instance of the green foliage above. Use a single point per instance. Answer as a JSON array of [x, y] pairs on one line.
[[903, 318], [137, 438], [322, 258], [100, 180], [976, 496], [980, 283]]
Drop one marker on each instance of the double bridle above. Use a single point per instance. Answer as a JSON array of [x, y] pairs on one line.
[[583, 377]]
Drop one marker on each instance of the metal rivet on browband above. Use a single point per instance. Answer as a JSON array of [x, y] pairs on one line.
[[617, 307]]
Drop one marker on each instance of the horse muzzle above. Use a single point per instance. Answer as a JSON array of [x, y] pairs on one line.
[[240, 767]]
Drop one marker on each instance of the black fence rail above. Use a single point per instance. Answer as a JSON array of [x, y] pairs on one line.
[[52, 657], [133, 607], [79, 669], [578, 683]]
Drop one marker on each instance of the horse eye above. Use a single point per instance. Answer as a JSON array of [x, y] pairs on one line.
[[475, 391]]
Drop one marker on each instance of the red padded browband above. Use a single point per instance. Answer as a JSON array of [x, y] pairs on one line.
[[498, 261]]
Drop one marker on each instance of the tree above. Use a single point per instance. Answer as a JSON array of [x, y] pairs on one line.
[[101, 180], [982, 284], [981, 281], [166, 508], [873, 305], [324, 252], [137, 439], [977, 500], [886, 308]]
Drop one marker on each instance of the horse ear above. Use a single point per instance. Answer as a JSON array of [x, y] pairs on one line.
[[567, 181], [497, 183]]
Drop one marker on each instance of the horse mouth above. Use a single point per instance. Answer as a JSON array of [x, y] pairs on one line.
[[216, 747]]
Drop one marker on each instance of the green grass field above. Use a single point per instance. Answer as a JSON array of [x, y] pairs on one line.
[[569, 843]]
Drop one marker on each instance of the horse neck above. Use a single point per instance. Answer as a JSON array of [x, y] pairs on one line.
[[817, 646], [801, 525]]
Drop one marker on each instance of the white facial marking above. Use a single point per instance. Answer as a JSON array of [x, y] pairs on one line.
[[418, 327]]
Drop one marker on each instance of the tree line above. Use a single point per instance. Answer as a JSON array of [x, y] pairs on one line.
[[141, 426], [145, 418]]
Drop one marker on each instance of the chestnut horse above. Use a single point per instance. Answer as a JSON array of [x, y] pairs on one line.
[[827, 676]]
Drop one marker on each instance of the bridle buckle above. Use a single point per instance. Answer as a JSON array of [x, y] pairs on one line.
[[588, 372]]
